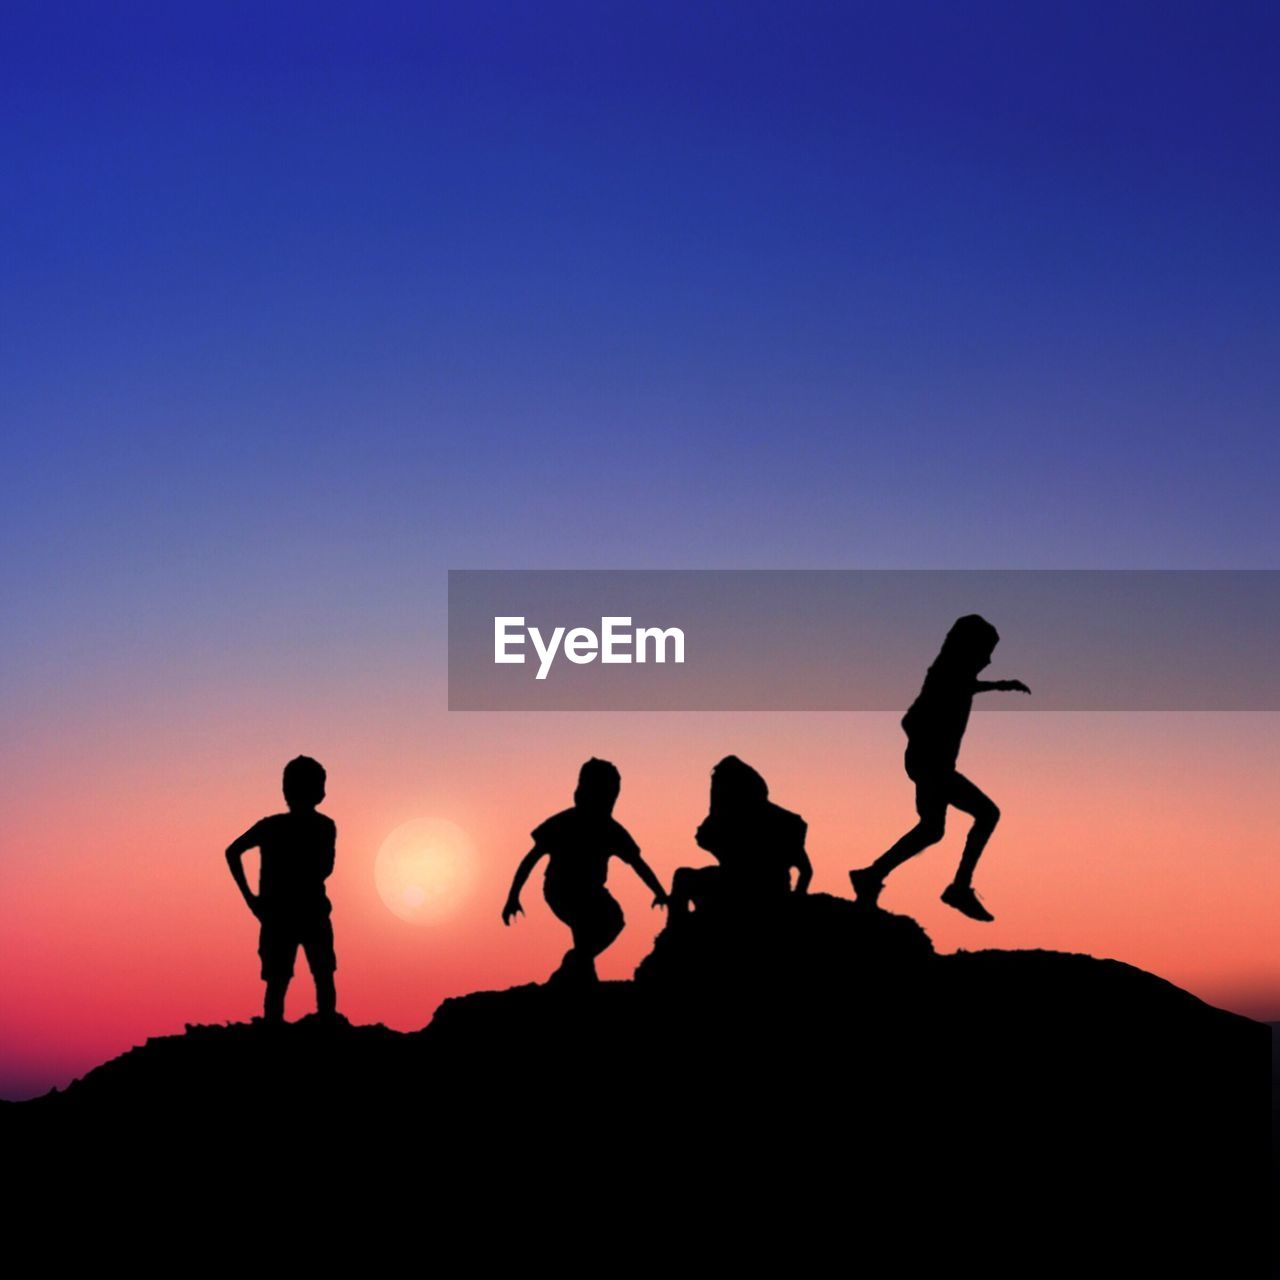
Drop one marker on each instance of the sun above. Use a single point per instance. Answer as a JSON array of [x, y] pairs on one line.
[[424, 870]]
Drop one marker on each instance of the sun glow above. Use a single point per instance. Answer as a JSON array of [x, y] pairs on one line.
[[424, 870]]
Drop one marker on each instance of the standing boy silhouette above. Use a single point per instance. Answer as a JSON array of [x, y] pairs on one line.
[[297, 851], [935, 724], [579, 842]]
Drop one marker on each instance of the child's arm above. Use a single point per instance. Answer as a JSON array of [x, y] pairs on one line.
[[523, 871], [999, 686], [330, 851], [804, 872], [645, 872], [235, 860]]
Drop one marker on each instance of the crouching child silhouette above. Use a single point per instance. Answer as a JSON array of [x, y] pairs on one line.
[[296, 856], [934, 725], [579, 843], [757, 844]]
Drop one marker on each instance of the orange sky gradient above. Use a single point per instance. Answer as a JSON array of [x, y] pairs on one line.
[[1144, 837]]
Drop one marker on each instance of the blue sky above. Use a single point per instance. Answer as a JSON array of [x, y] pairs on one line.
[[319, 301]]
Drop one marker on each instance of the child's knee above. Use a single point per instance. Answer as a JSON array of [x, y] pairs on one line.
[[606, 924], [932, 829]]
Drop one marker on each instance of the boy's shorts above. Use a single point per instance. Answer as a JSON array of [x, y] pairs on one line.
[[592, 913], [282, 934]]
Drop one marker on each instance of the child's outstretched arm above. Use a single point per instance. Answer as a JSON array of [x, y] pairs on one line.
[[235, 860], [523, 871], [646, 873], [999, 686]]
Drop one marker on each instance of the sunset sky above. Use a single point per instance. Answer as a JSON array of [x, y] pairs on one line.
[[306, 307]]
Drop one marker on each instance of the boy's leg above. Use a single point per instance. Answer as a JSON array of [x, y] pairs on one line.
[[569, 909], [597, 921], [326, 995], [569, 965], [972, 800], [277, 947], [273, 1005], [609, 922], [318, 945]]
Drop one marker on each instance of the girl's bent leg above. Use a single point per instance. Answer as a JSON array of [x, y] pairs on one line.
[[972, 800]]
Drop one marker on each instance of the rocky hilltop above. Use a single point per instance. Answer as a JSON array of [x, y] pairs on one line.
[[824, 1062]]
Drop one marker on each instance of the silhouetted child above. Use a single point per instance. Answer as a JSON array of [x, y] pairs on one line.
[[757, 844], [296, 856], [579, 843], [935, 724]]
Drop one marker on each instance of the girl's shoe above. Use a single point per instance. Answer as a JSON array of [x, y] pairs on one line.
[[965, 901]]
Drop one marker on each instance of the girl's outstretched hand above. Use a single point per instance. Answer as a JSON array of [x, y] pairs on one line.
[[1016, 686], [511, 910]]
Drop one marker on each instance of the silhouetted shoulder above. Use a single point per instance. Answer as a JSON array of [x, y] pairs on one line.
[[253, 837], [942, 703], [621, 841], [790, 826], [273, 824], [557, 829], [572, 829]]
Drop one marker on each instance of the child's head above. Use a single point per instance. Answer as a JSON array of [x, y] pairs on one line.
[[598, 785], [303, 783], [736, 785], [970, 643]]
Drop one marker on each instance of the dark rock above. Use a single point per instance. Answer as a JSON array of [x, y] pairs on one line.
[[822, 1061]]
